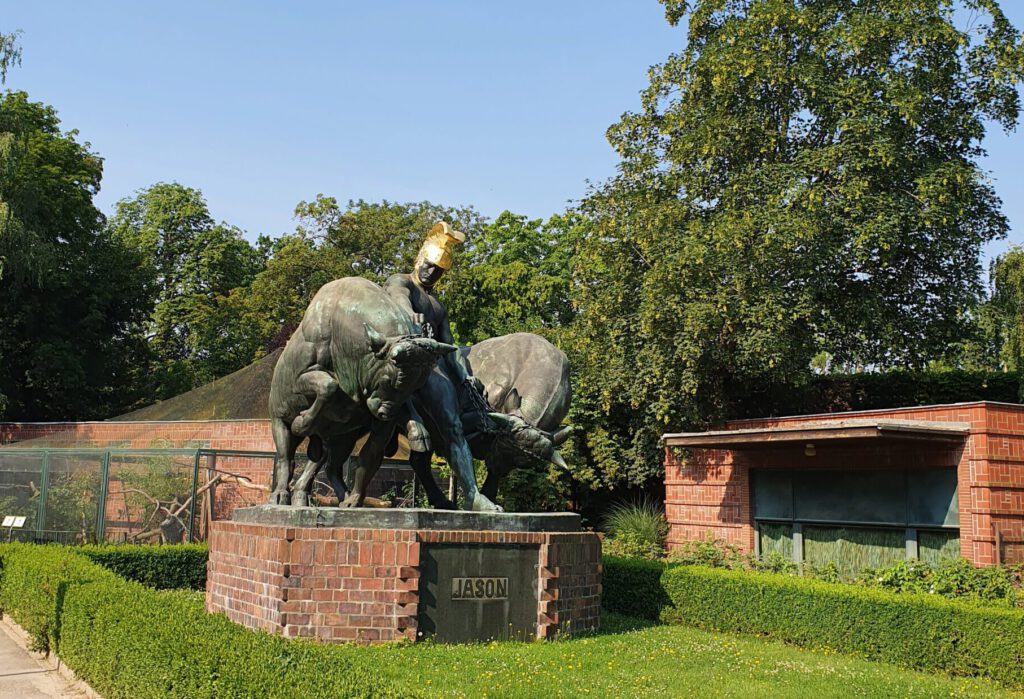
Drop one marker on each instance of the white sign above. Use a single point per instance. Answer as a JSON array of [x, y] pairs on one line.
[[8, 521], [18, 522]]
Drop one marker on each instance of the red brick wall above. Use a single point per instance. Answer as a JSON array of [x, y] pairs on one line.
[[240, 435], [362, 585], [711, 491]]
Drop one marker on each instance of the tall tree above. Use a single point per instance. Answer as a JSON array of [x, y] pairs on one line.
[[366, 239], [192, 265], [513, 276], [70, 302], [1007, 310], [804, 176]]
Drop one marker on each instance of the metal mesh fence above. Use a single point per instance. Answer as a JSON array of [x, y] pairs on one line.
[[75, 496], [96, 495]]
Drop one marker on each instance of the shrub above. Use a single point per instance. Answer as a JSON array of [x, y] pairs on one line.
[[633, 587], [178, 566], [33, 584], [916, 631], [644, 519], [953, 578], [710, 552], [131, 641], [629, 545]]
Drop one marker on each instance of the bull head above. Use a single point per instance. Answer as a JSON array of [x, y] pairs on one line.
[[522, 437], [404, 363]]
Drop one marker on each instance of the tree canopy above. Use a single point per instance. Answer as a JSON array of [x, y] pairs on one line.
[[70, 301], [190, 265], [802, 177]]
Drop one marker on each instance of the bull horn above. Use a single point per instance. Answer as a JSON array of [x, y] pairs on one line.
[[439, 348], [377, 341], [557, 460], [501, 420], [559, 437]]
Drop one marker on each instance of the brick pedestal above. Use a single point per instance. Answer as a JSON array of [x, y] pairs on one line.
[[364, 584]]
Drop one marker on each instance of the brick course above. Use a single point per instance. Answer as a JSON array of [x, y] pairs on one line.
[[709, 491], [362, 585]]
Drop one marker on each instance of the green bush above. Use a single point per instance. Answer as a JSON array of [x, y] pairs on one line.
[[630, 545], [178, 566], [643, 520], [632, 587], [128, 640], [916, 631], [33, 584], [952, 578]]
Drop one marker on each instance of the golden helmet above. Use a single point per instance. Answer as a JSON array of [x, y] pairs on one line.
[[437, 248]]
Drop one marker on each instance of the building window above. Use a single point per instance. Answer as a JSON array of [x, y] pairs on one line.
[[856, 518]]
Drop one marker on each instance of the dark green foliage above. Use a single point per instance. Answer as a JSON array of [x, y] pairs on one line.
[[800, 177], [632, 587], [916, 631], [133, 642], [181, 566], [70, 299], [33, 584], [513, 276], [870, 391], [191, 266]]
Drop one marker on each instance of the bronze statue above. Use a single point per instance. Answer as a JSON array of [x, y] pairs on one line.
[[450, 388], [349, 369], [527, 387], [367, 360]]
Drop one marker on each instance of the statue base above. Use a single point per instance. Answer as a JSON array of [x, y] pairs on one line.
[[377, 575]]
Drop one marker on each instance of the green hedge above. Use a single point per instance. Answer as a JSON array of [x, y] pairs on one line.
[[181, 566], [632, 586], [832, 393], [915, 631], [130, 641], [33, 586]]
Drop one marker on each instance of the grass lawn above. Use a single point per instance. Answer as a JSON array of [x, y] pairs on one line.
[[628, 660]]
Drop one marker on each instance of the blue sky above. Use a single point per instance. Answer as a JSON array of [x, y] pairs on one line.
[[261, 105]]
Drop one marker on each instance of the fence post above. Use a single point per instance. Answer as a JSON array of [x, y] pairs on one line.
[[44, 486], [192, 505], [101, 506]]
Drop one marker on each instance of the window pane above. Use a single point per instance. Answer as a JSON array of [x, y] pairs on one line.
[[772, 495], [851, 496]]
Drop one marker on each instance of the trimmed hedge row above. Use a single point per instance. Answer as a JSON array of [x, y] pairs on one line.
[[915, 631], [130, 641], [632, 586], [181, 566], [34, 581]]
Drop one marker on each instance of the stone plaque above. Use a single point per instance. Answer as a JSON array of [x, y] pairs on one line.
[[475, 592]]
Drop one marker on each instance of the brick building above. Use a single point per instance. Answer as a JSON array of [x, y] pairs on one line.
[[867, 486]]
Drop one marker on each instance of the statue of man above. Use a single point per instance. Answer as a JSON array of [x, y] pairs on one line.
[[451, 383], [415, 292]]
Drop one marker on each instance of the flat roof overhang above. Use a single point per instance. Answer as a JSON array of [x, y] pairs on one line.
[[839, 431]]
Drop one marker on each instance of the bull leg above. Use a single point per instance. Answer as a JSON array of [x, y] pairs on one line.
[[420, 462], [490, 486], [339, 453], [285, 444], [304, 483], [322, 386], [336, 475], [370, 457]]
